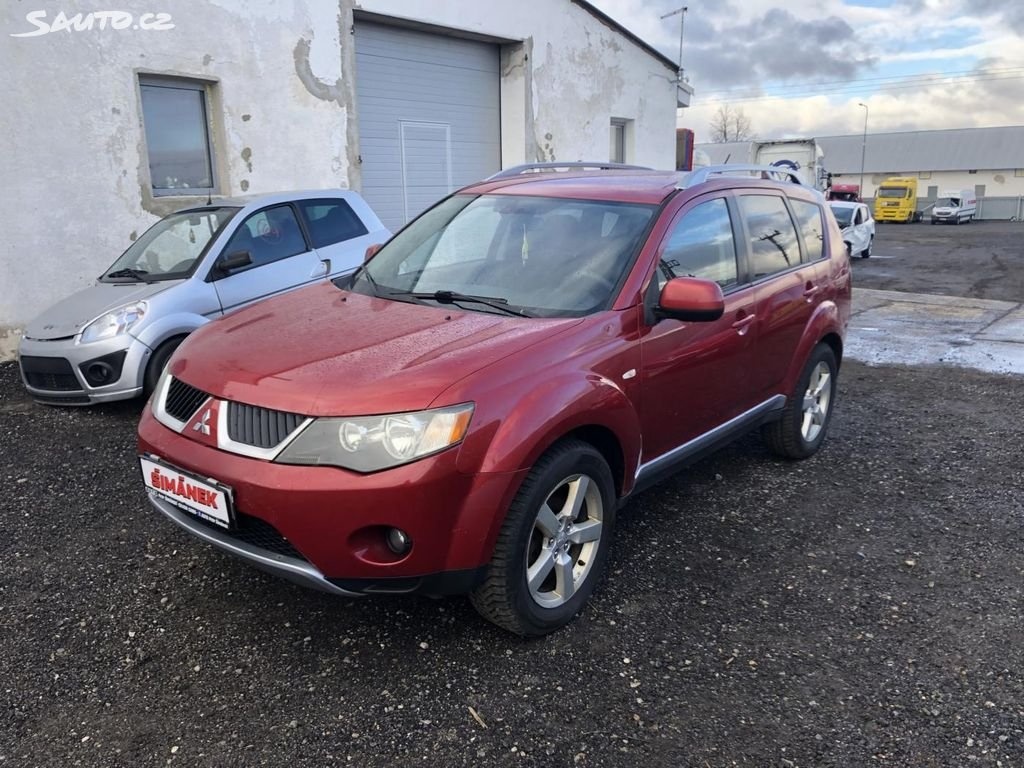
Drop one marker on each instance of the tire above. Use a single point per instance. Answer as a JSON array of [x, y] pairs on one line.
[[792, 438], [866, 253], [571, 467], [157, 362]]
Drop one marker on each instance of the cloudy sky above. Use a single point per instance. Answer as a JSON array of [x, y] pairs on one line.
[[799, 68]]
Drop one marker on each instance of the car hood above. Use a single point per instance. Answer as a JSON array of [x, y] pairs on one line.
[[68, 316], [321, 351]]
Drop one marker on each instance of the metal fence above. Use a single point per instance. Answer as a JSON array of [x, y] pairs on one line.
[[989, 208]]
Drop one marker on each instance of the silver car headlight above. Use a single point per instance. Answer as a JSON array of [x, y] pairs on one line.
[[373, 443], [114, 323]]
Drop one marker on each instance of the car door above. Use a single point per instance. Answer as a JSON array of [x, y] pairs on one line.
[[860, 237], [695, 375], [280, 255], [336, 232], [790, 276]]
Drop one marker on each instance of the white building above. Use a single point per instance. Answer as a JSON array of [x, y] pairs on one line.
[[988, 160], [114, 118]]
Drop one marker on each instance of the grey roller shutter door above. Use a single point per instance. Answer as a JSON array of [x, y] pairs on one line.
[[429, 119]]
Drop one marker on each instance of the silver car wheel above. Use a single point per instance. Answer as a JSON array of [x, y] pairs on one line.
[[816, 402], [564, 541]]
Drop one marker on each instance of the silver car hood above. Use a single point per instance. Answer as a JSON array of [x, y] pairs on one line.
[[68, 316]]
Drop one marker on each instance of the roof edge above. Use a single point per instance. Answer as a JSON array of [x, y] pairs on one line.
[[608, 21]]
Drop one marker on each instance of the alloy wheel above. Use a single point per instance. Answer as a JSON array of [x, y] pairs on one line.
[[816, 402], [564, 542]]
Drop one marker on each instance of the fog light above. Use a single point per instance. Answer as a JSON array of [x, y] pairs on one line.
[[99, 373], [398, 541]]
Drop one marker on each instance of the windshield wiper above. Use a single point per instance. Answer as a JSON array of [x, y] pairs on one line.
[[453, 297], [362, 270], [138, 274]]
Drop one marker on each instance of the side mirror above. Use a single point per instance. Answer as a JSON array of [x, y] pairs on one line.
[[692, 299], [232, 261], [372, 251]]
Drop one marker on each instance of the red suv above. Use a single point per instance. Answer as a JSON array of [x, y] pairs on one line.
[[467, 411]]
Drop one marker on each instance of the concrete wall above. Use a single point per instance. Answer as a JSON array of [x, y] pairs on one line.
[[74, 173]]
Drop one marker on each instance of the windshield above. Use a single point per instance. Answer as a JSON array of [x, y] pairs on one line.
[[541, 256], [844, 216], [947, 202], [170, 248], [892, 192]]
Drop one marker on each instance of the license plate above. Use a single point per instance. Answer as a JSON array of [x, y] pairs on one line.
[[206, 499]]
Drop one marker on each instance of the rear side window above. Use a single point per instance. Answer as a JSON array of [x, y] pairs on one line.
[[773, 240], [701, 245], [808, 218], [331, 221]]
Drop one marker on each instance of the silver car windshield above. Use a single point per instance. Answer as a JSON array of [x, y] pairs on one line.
[[170, 249], [535, 256], [947, 202], [844, 216]]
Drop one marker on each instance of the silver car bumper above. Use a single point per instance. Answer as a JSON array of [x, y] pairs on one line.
[[52, 371], [290, 568]]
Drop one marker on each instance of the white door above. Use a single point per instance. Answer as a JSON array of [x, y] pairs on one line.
[[429, 118]]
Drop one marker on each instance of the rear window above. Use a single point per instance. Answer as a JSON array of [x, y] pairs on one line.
[[808, 219], [773, 238], [331, 221]]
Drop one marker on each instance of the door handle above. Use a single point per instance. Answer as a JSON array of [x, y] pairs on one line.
[[811, 291], [321, 269], [743, 323]]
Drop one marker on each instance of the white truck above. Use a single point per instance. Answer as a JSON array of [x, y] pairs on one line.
[[955, 206], [804, 156]]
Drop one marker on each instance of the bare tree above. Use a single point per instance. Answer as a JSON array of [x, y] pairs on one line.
[[729, 124]]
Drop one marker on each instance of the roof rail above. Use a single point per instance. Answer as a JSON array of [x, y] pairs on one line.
[[773, 172], [518, 170]]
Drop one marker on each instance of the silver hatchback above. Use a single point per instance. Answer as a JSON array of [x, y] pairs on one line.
[[112, 340]]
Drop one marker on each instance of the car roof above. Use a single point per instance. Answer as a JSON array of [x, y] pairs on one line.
[[625, 186]]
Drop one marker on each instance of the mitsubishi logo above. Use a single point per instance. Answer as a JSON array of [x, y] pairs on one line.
[[203, 425]]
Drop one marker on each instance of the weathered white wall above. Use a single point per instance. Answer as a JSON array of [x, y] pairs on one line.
[[73, 171]]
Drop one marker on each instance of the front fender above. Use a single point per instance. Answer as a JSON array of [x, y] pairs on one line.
[[163, 328], [513, 439]]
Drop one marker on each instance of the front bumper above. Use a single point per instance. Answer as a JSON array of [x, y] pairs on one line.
[[52, 371], [330, 522]]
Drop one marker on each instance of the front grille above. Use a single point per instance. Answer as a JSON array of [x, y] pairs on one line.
[[260, 427], [50, 373], [183, 400], [257, 533]]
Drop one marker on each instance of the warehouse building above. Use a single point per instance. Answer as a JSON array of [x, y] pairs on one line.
[[403, 102], [988, 160]]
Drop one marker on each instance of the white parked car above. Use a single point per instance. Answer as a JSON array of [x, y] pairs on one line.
[[858, 226], [112, 340]]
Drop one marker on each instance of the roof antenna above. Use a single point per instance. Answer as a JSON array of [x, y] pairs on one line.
[[727, 159], [209, 197]]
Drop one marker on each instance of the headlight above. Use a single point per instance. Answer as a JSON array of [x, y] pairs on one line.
[[373, 443], [114, 323]]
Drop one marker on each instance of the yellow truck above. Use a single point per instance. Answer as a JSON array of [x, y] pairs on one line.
[[896, 200]]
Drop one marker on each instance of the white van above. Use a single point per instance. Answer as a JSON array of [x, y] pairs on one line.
[[955, 207]]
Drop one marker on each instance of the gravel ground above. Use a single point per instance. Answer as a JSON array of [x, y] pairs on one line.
[[983, 260], [860, 608]]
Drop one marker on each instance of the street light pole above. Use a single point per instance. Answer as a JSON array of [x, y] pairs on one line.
[[863, 147], [681, 12]]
